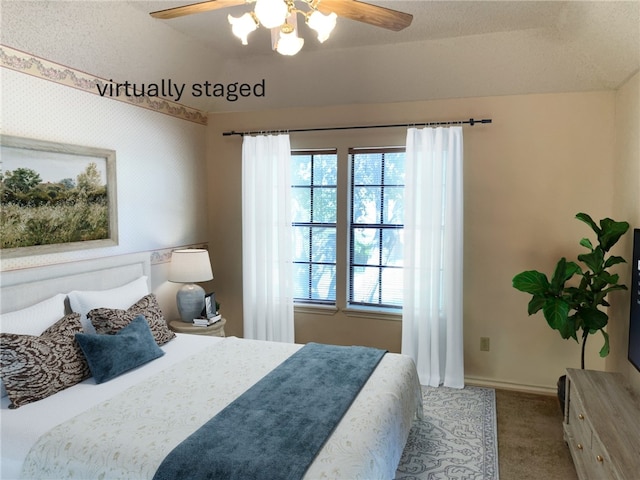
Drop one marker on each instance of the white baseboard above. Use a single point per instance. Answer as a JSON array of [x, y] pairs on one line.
[[500, 385]]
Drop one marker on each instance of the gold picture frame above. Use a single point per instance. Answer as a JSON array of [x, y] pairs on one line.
[[55, 197]]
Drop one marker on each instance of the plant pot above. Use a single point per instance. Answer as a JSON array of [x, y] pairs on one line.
[[562, 381]]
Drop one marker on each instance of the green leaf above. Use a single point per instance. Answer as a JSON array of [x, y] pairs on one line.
[[563, 272], [604, 351], [593, 260], [615, 287], [603, 279], [558, 277], [572, 269], [609, 278], [589, 221], [573, 325], [611, 232], [535, 304], [605, 282], [613, 260], [568, 329], [532, 282], [585, 242], [556, 311], [593, 318]]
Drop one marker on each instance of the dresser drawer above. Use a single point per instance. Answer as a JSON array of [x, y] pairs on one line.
[[578, 422], [601, 461], [582, 457]]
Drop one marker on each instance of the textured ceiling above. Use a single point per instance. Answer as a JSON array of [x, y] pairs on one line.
[[452, 49]]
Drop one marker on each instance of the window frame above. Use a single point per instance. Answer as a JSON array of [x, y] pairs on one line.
[[342, 143], [365, 307], [331, 304]]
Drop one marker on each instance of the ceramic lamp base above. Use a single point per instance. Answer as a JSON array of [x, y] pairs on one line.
[[190, 300]]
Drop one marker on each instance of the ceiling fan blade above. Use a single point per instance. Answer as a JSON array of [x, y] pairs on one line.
[[196, 8], [367, 13]]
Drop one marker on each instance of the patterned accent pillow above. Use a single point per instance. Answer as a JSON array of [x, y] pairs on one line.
[[32, 320], [110, 321], [35, 367]]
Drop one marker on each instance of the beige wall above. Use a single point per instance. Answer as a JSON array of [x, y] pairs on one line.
[[626, 204], [544, 159]]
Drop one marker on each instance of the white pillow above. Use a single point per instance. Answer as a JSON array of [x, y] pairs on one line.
[[120, 297], [32, 320], [35, 319]]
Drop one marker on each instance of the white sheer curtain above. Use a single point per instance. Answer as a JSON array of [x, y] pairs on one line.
[[267, 268], [432, 306]]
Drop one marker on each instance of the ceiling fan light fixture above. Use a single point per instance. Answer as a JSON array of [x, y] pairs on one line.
[[271, 13], [243, 26], [322, 24]]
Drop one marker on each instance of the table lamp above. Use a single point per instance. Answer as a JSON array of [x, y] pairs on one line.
[[190, 265]]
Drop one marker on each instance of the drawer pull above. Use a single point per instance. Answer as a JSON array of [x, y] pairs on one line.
[[599, 458], [581, 416], [579, 446]]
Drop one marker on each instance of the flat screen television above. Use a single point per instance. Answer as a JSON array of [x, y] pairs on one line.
[[634, 321]]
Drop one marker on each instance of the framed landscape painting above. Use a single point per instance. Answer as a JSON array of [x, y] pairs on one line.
[[55, 197]]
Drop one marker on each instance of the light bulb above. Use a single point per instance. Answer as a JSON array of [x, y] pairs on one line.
[[271, 13], [242, 26], [289, 43], [323, 24]]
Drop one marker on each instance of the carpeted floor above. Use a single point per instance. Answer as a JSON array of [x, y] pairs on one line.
[[456, 440], [530, 441]]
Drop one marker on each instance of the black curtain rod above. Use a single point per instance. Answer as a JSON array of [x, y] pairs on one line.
[[471, 122]]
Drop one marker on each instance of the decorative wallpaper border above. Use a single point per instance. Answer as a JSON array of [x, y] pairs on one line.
[[156, 257], [39, 67], [164, 255]]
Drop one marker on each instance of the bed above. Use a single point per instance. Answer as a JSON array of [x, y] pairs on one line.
[[126, 426]]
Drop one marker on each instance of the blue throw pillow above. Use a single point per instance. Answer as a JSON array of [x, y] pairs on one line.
[[111, 355]]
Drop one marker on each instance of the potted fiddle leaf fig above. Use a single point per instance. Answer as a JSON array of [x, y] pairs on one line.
[[571, 299]]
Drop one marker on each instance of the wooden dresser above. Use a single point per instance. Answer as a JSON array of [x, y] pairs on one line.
[[602, 426]]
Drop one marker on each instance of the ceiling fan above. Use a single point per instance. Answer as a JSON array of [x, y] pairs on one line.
[[281, 17]]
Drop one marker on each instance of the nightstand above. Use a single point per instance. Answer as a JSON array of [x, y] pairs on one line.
[[215, 330]]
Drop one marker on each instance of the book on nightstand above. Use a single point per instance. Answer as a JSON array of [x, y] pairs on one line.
[[206, 322]]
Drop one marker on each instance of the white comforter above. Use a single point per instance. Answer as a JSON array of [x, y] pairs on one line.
[[126, 433]]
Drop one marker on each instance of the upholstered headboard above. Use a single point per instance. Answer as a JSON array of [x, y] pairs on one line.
[[25, 287]]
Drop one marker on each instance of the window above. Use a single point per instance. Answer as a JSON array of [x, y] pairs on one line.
[[314, 177], [376, 226], [369, 237]]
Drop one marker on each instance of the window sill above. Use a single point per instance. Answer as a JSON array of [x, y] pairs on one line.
[[374, 313], [361, 312], [315, 309]]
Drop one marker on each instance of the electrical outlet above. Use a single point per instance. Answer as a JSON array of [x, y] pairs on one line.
[[484, 344]]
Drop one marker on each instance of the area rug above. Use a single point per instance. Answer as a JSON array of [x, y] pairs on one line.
[[456, 439]]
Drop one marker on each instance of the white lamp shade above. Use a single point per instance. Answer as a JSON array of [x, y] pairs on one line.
[[190, 265]]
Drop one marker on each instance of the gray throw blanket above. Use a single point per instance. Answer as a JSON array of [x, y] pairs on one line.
[[276, 428]]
